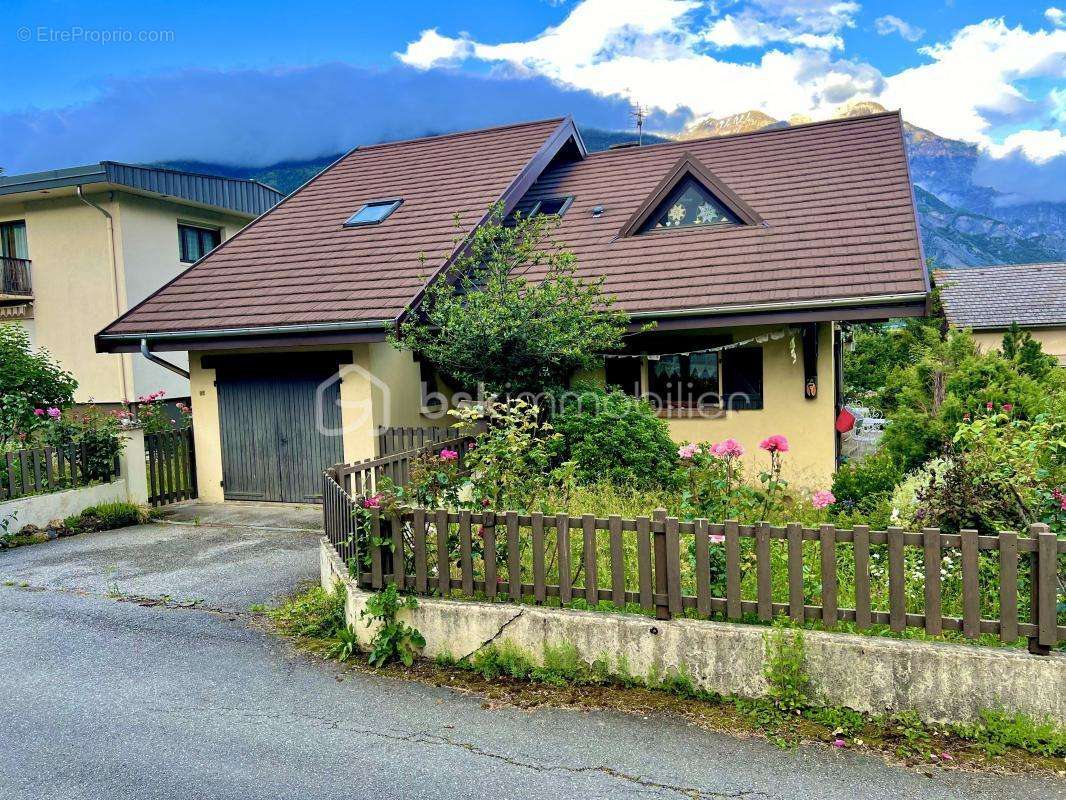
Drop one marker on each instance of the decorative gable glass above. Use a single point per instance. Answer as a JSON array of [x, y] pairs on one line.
[[689, 205]]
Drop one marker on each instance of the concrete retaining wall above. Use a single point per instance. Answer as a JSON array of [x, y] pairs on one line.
[[942, 682], [40, 509]]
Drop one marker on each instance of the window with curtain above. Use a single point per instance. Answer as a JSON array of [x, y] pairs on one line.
[[684, 381], [195, 242], [13, 240]]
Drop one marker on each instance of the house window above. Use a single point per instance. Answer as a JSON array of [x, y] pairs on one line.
[[742, 378], [373, 212], [552, 205], [13, 240], [195, 242], [427, 376], [730, 379], [689, 205], [684, 381], [624, 374]]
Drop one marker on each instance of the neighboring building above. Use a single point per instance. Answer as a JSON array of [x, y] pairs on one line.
[[80, 246], [746, 250], [988, 299]]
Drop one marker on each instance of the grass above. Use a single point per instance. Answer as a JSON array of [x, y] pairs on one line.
[[101, 517]]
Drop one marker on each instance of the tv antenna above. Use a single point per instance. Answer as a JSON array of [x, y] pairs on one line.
[[639, 114]]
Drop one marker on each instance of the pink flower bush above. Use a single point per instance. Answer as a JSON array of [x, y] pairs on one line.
[[38, 412], [823, 498], [688, 451], [372, 502], [775, 444], [730, 448], [54, 413], [449, 455], [1060, 497]]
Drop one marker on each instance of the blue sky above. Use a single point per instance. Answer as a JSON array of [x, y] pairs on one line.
[[252, 83]]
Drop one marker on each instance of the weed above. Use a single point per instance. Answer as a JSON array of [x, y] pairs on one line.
[[346, 644], [997, 731], [315, 614], [912, 736], [786, 672], [393, 638]]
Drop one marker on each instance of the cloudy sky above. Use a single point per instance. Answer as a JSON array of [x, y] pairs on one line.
[[256, 83]]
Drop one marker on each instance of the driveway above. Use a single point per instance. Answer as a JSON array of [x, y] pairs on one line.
[[225, 556], [107, 699]]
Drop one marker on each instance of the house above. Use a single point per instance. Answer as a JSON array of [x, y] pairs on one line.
[[746, 250], [989, 299], [80, 246]]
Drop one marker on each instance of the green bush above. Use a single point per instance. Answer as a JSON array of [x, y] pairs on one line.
[[863, 485], [105, 516], [614, 437]]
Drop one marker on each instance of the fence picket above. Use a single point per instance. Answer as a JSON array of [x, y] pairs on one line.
[[466, 558], [562, 544], [673, 565], [399, 558], [24, 471], [588, 528], [444, 564], [10, 461], [644, 575], [1047, 585], [794, 534], [934, 618], [418, 533], [732, 569], [514, 557], [763, 586], [827, 536], [861, 540], [1008, 586], [488, 527], [375, 549], [540, 584], [703, 566], [897, 597], [618, 564], [971, 609]]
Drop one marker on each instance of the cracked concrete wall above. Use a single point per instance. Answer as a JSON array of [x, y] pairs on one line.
[[942, 682]]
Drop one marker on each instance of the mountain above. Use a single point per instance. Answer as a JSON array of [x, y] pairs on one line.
[[962, 224]]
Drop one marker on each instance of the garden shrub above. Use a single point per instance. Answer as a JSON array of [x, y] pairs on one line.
[[30, 382], [863, 485], [614, 437], [96, 432]]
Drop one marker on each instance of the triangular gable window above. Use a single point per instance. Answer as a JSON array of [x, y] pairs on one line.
[[690, 196], [689, 205]]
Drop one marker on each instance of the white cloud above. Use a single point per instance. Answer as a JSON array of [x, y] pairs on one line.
[[432, 50], [969, 85], [1038, 146], [1028, 165], [1056, 16], [889, 24]]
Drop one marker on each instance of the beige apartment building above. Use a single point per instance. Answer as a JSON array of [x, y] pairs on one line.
[[81, 245]]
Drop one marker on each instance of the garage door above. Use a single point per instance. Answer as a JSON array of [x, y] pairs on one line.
[[273, 447]]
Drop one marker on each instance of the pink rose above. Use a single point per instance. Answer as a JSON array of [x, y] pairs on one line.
[[449, 455], [372, 502], [775, 444], [988, 405], [38, 412], [1008, 407], [54, 413], [730, 448], [688, 451], [823, 498]]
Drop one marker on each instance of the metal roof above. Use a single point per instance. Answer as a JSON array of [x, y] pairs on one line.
[[240, 195]]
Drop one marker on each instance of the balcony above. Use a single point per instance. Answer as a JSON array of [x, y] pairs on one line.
[[15, 283]]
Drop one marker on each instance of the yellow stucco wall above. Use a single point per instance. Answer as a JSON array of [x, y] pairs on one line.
[[1053, 340], [74, 285], [808, 424]]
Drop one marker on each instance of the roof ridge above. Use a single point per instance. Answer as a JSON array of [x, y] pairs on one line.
[[190, 172], [760, 132], [1002, 266], [456, 134]]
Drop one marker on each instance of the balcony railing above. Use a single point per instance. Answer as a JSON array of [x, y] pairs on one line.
[[15, 277]]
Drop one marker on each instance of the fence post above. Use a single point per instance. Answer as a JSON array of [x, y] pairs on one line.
[[133, 466], [662, 608], [1044, 568]]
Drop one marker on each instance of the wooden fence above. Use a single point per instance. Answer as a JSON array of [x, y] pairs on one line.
[[37, 470], [400, 440], [170, 460], [363, 477], [640, 561]]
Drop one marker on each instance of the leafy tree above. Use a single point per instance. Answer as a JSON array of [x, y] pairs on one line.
[[1026, 353], [876, 350], [485, 321], [29, 381]]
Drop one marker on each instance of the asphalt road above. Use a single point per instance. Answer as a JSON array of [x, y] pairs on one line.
[[110, 699]]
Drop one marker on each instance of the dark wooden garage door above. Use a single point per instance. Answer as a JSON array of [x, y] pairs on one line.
[[273, 447]]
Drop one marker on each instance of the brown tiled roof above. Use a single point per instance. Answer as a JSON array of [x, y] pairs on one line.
[[838, 225], [994, 297], [835, 198], [298, 264]]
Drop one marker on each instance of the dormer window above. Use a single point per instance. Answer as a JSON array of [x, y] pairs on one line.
[[374, 212], [689, 205], [552, 205]]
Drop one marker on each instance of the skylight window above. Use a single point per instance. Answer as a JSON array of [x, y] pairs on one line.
[[373, 212], [689, 205], [552, 205]]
